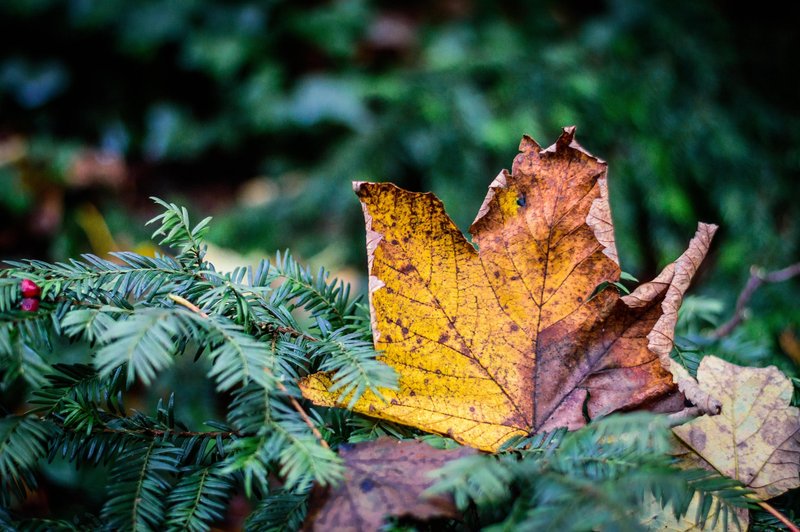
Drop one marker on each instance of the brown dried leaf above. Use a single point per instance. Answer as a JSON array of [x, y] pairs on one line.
[[384, 477]]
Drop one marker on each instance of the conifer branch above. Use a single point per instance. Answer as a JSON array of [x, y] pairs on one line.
[[295, 404], [148, 431]]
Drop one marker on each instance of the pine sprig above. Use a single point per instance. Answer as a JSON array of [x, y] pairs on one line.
[[199, 498], [352, 366], [237, 358], [176, 231], [88, 324], [145, 341], [326, 300], [23, 442], [9, 294], [368, 429], [302, 457], [26, 339], [138, 485], [96, 281], [278, 511], [687, 354], [250, 409]]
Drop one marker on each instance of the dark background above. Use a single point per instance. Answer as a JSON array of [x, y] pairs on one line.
[[261, 113]]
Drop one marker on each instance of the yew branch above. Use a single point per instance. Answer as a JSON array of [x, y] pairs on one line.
[[295, 404]]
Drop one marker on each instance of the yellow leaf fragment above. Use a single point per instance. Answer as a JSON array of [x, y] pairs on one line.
[[756, 437]]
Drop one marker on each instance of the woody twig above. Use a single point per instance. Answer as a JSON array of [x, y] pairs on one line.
[[757, 278]]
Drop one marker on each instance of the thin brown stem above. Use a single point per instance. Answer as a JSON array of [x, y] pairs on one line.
[[188, 304], [271, 328], [779, 516], [757, 278], [299, 408]]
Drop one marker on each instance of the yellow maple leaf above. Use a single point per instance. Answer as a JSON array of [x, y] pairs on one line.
[[505, 339]]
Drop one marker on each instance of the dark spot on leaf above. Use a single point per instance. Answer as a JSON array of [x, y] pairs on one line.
[[412, 393], [387, 339], [389, 290], [521, 201], [698, 439], [496, 274], [406, 239], [472, 409], [404, 330], [443, 338], [514, 327], [366, 485], [438, 372], [579, 299], [406, 268], [515, 277], [371, 408]]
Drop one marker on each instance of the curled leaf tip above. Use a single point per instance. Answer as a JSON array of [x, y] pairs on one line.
[[567, 135]]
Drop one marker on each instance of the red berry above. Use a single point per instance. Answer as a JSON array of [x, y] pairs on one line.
[[29, 288], [29, 304]]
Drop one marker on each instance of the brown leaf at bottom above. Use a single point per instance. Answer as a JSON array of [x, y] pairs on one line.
[[384, 477]]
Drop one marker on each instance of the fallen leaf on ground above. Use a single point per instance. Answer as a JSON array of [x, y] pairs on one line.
[[756, 437], [505, 340], [384, 477]]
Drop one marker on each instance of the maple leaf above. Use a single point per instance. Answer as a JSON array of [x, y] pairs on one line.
[[756, 437], [505, 340], [384, 477]]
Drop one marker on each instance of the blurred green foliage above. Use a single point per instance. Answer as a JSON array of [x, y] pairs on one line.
[[263, 112]]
